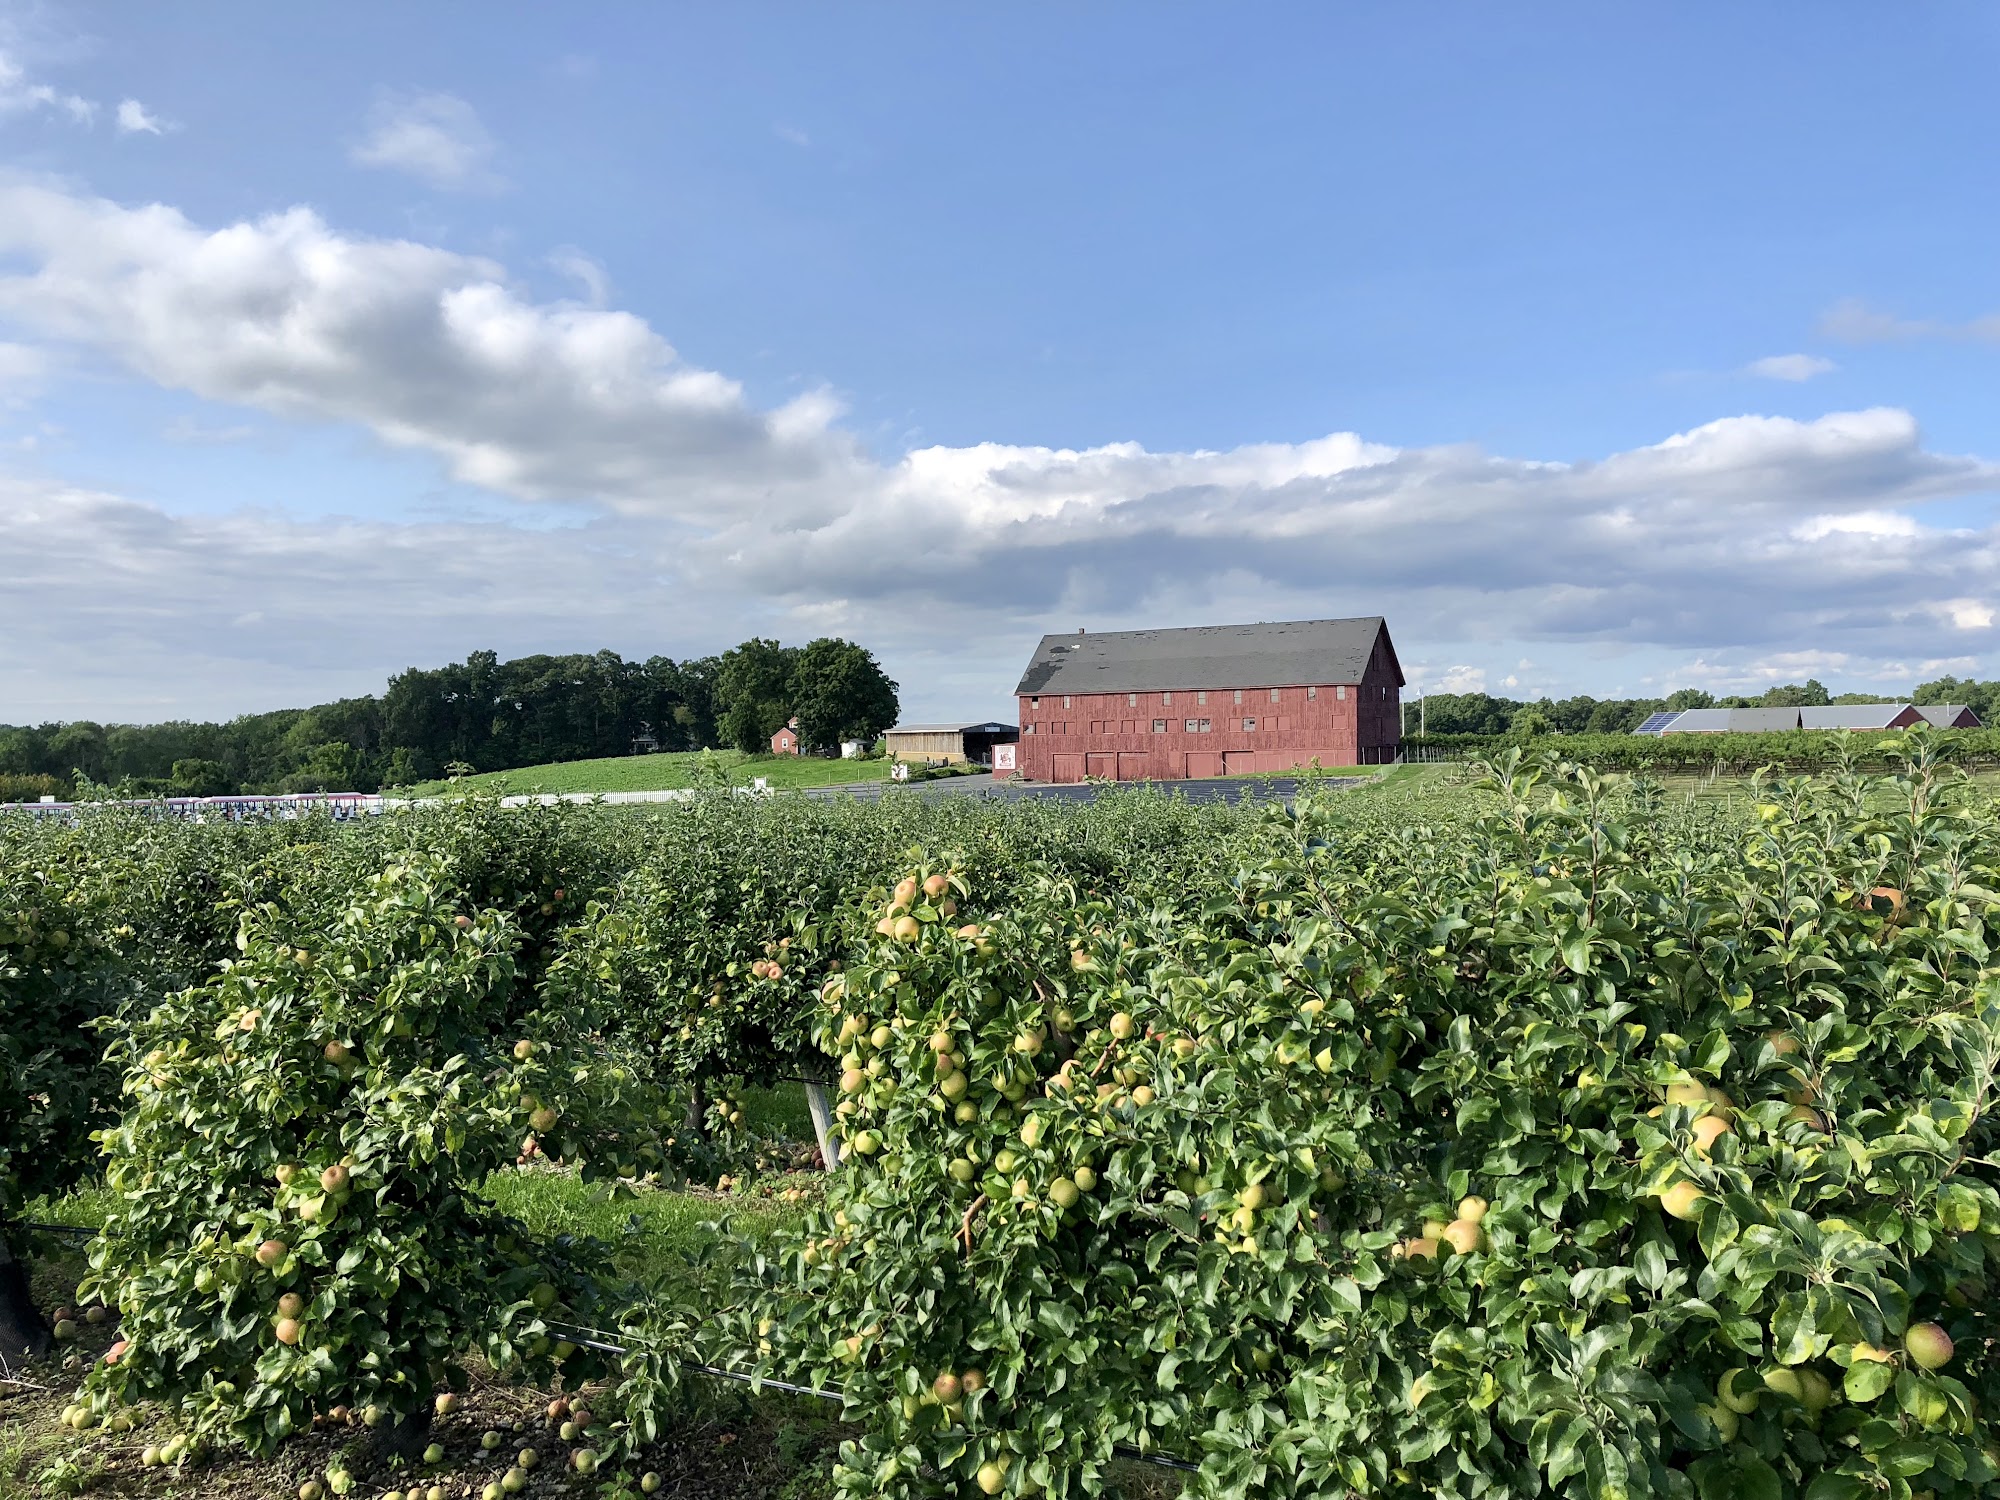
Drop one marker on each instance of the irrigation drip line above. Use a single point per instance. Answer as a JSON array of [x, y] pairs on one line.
[[588, 1338], [75, 1231], [592, 1338]]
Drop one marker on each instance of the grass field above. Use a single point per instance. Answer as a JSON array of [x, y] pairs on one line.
[[668, 771]]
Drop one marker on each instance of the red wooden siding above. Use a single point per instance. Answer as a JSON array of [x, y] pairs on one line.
[[1108, 735]]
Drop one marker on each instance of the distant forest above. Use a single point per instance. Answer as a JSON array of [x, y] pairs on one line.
[[1481, 713], [482, 713]]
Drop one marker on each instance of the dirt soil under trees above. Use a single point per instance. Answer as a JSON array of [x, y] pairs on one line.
[[751, 1447], [764, 1447]]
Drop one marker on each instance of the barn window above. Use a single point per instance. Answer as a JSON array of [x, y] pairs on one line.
[[1131, 700], [1034, 703], [1166, 700], [1065, 700], [1311, 694], [1159, 726], [1249, 726], [1192, 726], [1205, 726], [1201, 700], [1340, 693], [1031, 729], [1274, 695], [1239, 695]]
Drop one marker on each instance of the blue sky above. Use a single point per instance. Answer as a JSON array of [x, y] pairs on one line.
[[333, 342]]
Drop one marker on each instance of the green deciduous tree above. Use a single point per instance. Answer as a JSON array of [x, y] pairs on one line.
[[753, 692], [839, 692]]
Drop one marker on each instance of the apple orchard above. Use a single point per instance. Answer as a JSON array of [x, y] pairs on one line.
[[1529, 1132]]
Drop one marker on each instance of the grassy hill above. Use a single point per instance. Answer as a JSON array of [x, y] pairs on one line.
[[667, 771]]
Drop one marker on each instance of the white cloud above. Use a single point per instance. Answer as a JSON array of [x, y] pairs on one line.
[[1461, 679], [1862, 523], [1855, 322], [20, 94], [437, 138], [1967, 614], [133, 119], [586, 272], [792, 135], [686, 516], [21, 367], [1793, 367], [185, 429], [427, 348]]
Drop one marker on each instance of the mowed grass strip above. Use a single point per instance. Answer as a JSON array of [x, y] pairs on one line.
[[652, 1232], [668, 771]]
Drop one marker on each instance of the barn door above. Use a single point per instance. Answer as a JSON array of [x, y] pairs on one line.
[[1101, 763], [1132, 765], [1067, 768], [1203, 763]]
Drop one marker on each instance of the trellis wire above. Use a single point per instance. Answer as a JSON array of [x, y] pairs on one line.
[[593, 1338]]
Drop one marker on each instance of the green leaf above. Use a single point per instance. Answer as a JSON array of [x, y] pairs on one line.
[[1867, 1379]]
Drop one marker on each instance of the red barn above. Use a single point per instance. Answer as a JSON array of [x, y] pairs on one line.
[[786, 740], [1213, 700]]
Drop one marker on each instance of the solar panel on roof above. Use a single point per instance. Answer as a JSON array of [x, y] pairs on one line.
[[1657, 723]]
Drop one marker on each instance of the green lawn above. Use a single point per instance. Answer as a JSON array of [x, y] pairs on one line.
[[650, 1231], [668, 771]]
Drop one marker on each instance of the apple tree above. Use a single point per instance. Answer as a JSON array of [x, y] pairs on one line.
[[299, 1221], [62, 969], [1565, 1139]]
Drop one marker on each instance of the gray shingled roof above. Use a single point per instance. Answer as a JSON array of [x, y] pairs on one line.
[[1286, 654]]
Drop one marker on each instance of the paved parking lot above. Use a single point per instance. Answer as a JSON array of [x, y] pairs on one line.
[[1275, 788]]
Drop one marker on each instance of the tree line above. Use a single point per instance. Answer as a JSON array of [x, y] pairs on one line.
[[1482, 713], [483, 713]]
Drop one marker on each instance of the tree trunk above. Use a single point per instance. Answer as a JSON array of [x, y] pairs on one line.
[[823, 1126], [24, 1333], [406, 1438], [697, 1116]]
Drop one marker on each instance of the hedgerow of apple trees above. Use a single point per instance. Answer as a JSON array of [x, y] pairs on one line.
[[298, 1221], [92, 916], [61, 968], [715, 942], [1591, 1145]]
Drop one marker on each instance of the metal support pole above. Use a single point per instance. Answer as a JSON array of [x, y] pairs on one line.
[[823, 1126]]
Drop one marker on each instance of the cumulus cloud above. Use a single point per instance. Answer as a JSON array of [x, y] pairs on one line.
[[1794, 367], [426, 347], [670, 507], [133, 119], [20, 94], [437, 138], [1462, 679], [1855, 322]]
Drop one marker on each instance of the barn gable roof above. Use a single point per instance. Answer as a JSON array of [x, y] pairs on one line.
[[1854, 716], [1762, 720], [1948, 715], [1288, 653]]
